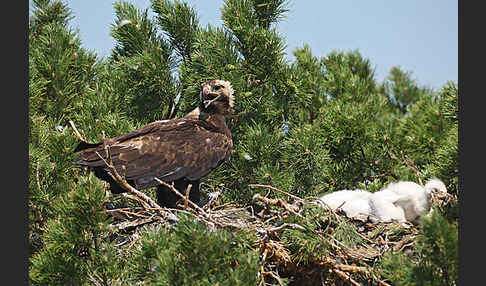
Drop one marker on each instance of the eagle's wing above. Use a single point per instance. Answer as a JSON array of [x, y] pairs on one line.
[[166, 150]]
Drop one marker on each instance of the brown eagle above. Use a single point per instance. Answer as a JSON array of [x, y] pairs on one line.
[[181, 151]]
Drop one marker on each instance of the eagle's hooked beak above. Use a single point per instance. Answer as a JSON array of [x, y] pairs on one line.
[[209, 102], [441, 196]]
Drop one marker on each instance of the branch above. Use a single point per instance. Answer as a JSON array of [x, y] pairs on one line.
[[289, 225], [186, 198], [173, 189], [277, 202], [123, 183], [37, 176], [205, 216], [135, 198], [346, 277], [275, 189], [93, 280], [76, 132]]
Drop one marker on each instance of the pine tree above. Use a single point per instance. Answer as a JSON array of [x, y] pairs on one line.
[[436, 262], [193, 254], [402, 90], [309, 127], [63, 86], [75, 249]]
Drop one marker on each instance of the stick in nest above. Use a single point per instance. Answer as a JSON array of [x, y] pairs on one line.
[[277, 202], [76, 132], [275, 189], [346, 277], [173, 189], [186, 199], [123, 183], [205, 216]]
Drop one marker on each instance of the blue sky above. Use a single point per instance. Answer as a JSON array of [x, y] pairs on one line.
[[418, 36]]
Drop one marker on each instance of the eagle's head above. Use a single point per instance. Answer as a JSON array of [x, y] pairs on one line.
[[436, 188], [217, 96]]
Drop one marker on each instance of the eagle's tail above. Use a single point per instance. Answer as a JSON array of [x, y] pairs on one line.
[[85, 145], [80, 160]]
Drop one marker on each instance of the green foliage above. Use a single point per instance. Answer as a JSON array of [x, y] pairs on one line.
[[65, 83], [48, 12], [269, 12], [145, 64], [402, 90], [179, 23], [312, 126], [190, 253], [321, 228], [348, 75], [61, 68], [261, 47], [73, 249], [311, 92], [436, 262]]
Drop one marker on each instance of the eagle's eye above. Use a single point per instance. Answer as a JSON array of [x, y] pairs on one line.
[[218, 87]]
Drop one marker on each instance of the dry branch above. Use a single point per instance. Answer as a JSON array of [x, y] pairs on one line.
[[135, 198], [186, 199], [123, 182], [76, 132], [173, 189], [275, 189], [205, 216], [346, 277]]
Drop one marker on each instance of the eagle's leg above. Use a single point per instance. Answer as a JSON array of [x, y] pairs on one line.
[[167, 198]]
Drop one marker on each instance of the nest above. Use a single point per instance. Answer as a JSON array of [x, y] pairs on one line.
[[266, 217]]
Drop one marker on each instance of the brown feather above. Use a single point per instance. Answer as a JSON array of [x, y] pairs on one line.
[[181, 150]]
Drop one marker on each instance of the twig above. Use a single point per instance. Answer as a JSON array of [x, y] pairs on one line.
[[126, 212], [289, 225], [206, 217], [173, 189], [37, 176], [350, 268], [410, 163], [346, 277], [275, 189], [274, 276], [333, 264], [277, 202], [134, 223], [382, 283], [91, 278], [142, 202], [186, 199], [123, 183], [77, 132]]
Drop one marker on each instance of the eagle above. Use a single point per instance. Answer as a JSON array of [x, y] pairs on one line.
[[354, 203], [401, 201], [405, 201], [179, 151]]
